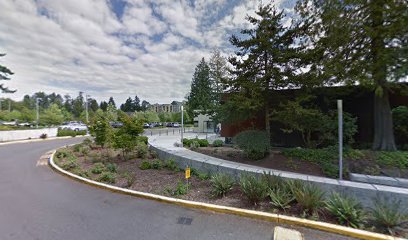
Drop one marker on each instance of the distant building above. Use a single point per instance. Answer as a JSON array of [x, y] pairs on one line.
[[172, 107], [204, 123]]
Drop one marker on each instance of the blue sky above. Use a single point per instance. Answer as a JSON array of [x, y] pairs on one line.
[[116, 48]]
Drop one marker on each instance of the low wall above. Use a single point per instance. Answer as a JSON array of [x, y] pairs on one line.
[[364, 192], [14, 135], [382, 180]]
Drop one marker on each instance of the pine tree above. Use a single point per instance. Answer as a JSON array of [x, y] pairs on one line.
[[265, 60], [5, 75], [127, 106], [145, 105], [136, 104], [103, 106], [359, 42], [111, 102], [201, 94]]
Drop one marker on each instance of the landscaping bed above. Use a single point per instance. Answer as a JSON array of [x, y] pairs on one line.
[[140, 170]]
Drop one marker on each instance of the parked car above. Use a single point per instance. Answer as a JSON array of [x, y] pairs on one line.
[[146, 125], [176, 125], [116, 124], [75, 126], [169, 124]]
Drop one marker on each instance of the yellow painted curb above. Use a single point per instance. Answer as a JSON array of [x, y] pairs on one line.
[[271, 217]]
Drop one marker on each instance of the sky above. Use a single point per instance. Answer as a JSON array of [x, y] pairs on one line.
[[117, 48]]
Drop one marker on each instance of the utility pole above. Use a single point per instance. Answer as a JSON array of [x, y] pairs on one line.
[[9, 102], [38, 110], [182, 124], [340, 110], [86, 108]]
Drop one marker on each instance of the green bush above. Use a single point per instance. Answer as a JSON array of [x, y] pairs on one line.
[[112, 167], [156, 164], [67, 132], [255, 144], [181, 189], [186, 142], [102, 131], [310, 198], [63, 153], [387, 216], [85, 150], [98, 168], [203, 142], [142, 139], [200, 175], [346, 209], [77, 148], [218, 143], [107, 177], [221, 184], [145, 165], [255, 190], [87, 142], [130, 178], [281, 197], [171, 165], [398, 159], [273, 182], [400, 120], [70, 163], [194, 144], [142, 150]]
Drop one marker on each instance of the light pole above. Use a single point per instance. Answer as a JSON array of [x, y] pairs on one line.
[[37, 100], [182, 124], [86, 108], [340, 109], [9, 102]]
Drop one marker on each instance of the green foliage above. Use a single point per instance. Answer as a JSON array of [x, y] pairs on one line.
[[145, 165], [400, 118], [281, 198], [53, 115], [107, 177], [143, 139], [255, 144], [200, 175], [63, 153], [67, 132], [221, 184], [346, 209], [310, 198], [112, 167], [123, 141], [218, 143], [102, 131], [255, 190], [130, 178], [203, 142], [273, 182], [387, 216], [5, 74], [77, 148], [98, 168], [156, 164], [171, 165], [194, 144], [187, 142], [398, 159], [142, 150], [85, 150], [87, 142], [70, 163], [181, 189]]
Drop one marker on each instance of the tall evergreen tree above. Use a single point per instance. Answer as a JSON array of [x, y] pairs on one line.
[[5, 74], [127, 106], [68, 103], [219, 76], [78, 105], [145, 105], [264, 60], [93, 104], [201, 94], [359, 42], [103, 106], [111, 102], [136, 104]]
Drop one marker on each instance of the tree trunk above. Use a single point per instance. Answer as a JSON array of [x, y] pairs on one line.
[[383, 127]]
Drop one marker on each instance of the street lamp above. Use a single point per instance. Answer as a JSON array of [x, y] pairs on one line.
[[86, 108], [37, 100], [182, 124]]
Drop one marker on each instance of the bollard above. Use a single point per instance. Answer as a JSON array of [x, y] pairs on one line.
[[167, 132], [151, 133], [159, 132]]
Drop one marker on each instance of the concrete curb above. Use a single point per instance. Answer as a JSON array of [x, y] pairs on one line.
[[38, 140], [327, 227]]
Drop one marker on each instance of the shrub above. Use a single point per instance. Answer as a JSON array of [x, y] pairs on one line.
[[200, 175], [346, 209], [130, 178], [397, 159], [255, 144], [387, 216], [281, 197], [309, 197], [145, 165], [102, 131], [68, 132], [85, 150], [400, 119], [43, 136], [141, 150], [80, 173], [186, 142], [221, 184], [153, 154], [107, 177], [63, 153], [77, 148], [156, 164], [98, 168], [142, 139], [194, 144], [255, 190], [203, 142], [218, 143], [87, 142], [273, 182], [171, 165], [112, 167], [181, 189], [294, 185], [71, 163]]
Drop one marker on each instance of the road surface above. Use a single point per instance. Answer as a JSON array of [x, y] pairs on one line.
[[38, 203]]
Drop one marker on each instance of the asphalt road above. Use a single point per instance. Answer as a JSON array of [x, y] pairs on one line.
[[38, 203]]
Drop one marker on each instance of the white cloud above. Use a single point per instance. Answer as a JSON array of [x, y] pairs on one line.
[[151, 51]]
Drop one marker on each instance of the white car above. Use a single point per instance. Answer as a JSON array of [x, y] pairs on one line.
[[74, 126]]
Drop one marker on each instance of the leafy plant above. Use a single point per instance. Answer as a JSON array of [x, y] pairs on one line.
[[310, 198], [254, 189], [200, 175], [142, 150], [221, 184], [130, 178], [102, 131], [346, 209], [171, 165], [181, 189], [63, 153], [281, 197], [87, 142], [98, 168], [186, 142], [273, 182], [156, 164], [400, 119], [218, 143], [142, 139], [107, 177], [194, 144], [397, 159], [85, 150], [145, 165], [203, 142], [71, 163], [77, 148], [255, 144], [112, 167], [387, 216]]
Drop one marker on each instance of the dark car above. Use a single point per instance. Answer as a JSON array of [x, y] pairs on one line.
[[146, 125], [116, 124], [169, 124]]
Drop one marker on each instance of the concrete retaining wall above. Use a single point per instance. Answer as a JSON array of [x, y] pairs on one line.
[[382, 180], [6, 136], [366, 193]]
